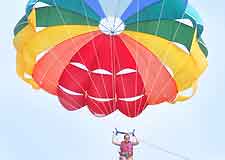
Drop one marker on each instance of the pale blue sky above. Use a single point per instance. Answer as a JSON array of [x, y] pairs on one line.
[[34, 126]]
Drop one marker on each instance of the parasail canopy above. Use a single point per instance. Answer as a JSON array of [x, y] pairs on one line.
[[111, 55]]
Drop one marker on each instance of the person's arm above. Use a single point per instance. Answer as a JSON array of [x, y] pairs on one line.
[[136, 142], [114, 141]]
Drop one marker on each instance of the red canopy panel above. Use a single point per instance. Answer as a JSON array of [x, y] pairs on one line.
[[114, 72]]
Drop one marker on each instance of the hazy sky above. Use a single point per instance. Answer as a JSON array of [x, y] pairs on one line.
[[33, 125]]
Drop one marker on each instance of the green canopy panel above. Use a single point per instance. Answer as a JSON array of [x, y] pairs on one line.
[[53, 16], [203, 47], [20, 25], [76, 6], [168, 29]]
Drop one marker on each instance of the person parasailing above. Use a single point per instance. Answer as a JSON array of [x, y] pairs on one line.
[[126, 146]]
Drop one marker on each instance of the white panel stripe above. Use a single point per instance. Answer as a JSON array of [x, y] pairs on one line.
[[70, 92], [101, 99], [126, 71], [131, 99], [79, 65]]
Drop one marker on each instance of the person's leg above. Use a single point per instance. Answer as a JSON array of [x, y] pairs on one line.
[[130, 158], [122, 158]]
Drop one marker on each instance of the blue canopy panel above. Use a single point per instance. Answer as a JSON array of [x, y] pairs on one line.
[[164, 9], [136, 6], [114, 7], [30, 5], [95, 5], [193, 15]]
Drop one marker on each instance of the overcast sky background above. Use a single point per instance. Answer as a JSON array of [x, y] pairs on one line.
[[34, 126]]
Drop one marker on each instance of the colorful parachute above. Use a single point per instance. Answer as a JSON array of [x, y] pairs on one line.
[[110, 55]]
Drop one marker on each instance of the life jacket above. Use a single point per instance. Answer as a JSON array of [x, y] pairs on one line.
[[126, 147]]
